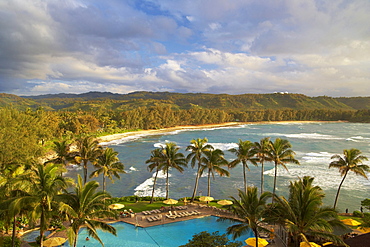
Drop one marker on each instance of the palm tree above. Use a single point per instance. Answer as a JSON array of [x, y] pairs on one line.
[[155, 161], [281, 154], [244, 153], [44, 185], [108, 164], [213, 161], [84, 208], [197, 148], [252, 210], [351, 161], [62, 150], [303, 215], [88, 150], [262, 149], [172, 159]]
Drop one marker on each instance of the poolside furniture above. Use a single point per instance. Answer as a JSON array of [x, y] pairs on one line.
[[170, 215], [149, 219]]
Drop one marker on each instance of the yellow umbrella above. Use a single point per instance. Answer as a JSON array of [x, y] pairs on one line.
[[364, 229], [310, 244], [54, 241], [327, 243], [116, 206], [206, 198], [170, 201], [252, 242], [225, 202], [351, 222]]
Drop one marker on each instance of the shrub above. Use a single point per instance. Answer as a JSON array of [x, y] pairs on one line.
[[357, 214], [6, 241], [207, 239]]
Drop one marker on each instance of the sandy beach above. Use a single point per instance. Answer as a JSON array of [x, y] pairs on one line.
[[109, 138]]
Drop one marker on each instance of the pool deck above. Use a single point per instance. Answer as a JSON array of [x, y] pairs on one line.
[[141, 219]]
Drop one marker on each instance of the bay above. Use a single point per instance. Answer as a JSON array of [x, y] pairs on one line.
[[314, 144]]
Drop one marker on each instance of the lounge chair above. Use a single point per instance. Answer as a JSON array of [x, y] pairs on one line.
[[150, 219], [170, 215]]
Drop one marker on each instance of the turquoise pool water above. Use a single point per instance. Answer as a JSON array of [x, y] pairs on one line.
[[167, 235]]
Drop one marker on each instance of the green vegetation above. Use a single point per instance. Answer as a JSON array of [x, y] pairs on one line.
[[206, 239], [350, 162]]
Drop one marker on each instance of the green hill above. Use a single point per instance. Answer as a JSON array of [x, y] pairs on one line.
[[243, 102]]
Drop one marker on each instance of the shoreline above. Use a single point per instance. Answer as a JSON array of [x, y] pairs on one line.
[[114, 137]]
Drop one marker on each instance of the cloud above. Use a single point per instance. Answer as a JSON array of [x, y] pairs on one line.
[[215, 46]]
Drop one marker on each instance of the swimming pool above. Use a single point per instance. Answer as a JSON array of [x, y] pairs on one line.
[[31, 236], [167, 235]]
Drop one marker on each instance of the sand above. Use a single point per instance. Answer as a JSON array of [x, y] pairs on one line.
[[114, 137]]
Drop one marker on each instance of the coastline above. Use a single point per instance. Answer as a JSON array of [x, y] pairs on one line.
[[115, 137]]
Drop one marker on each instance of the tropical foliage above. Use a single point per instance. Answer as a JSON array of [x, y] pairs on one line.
[[213, 162], [245, 153], [303, 214], [84, 208], [197, 149], [350, 162], [109, 165], [280, 153], [252, 210]]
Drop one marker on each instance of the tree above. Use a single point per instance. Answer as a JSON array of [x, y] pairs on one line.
[[155, 161], [206, 239], [281, 154], [213, 161], [84, 208], [171, 159], [351, 161], [108, 164], [303, 215], [62, 150], [44, 185], [262, 149], [88, 150], [197, 149], [245, 153], [250, 209], [366, 203]]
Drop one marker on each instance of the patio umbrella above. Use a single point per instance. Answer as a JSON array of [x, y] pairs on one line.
[[206, 198], [116, 206], [310, 244], [364, 229], [225, 202], [170, 201], [252, 242], [54, 241], [351, 222]]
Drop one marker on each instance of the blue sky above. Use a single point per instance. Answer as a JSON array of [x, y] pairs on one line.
[[311, 47]]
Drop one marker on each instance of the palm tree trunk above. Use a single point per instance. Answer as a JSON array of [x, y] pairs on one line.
[[340, 185], [196, 184], [256, 235], [14, 230], [75, 240], [42, 224], [209, 184], [245, 179], [85, 171], [262, 177], [155, 180], [104, 183], [275, 178], [167, 185]]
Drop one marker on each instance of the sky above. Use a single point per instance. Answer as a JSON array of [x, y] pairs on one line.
[[313, 47]]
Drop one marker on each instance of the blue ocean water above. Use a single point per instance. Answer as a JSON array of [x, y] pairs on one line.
[[167, 235], [314, 144]]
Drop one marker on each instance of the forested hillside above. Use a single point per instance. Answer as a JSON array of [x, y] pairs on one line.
[[242, 102]]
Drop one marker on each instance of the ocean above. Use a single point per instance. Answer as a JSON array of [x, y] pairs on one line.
[[313, 143]]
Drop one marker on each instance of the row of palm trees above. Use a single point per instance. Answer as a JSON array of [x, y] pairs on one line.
[[205, 158]]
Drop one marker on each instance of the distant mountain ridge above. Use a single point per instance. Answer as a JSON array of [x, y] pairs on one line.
[[114, 101]]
